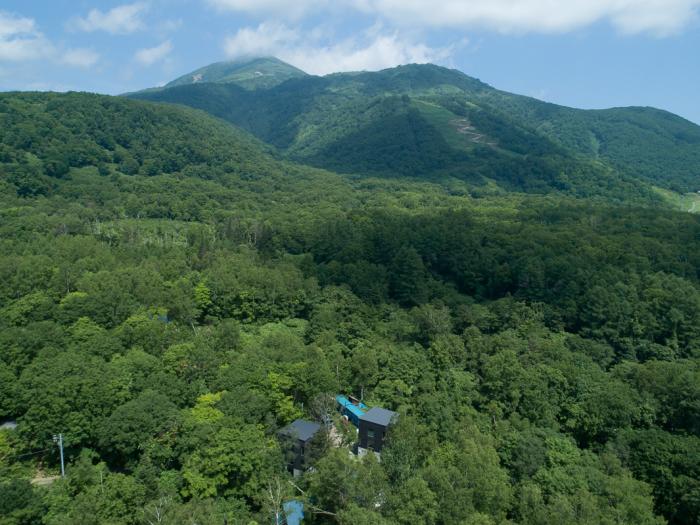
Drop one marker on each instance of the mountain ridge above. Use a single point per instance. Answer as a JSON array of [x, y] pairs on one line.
[[325, 121]]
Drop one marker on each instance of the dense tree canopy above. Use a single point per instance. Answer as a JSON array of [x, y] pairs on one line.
[[171, 295]]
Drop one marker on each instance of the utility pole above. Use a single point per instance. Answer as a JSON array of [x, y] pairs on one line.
[[59, 439]]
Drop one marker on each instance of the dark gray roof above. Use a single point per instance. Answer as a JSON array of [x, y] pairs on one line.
[[301, 429], [379, 416]]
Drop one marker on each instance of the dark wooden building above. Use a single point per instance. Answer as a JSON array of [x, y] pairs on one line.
[[374, 425], [296, 437]]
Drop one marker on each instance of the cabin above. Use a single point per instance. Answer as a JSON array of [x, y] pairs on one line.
[[373, 427], [297, 436], [372, 423]]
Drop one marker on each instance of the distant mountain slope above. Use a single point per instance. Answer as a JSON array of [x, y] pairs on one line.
[[258, 73], [448, 122], [410, 121], [645, 142], [121, 159], [174, 159], [60, 131]]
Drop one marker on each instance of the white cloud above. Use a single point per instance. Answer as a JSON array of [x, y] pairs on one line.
[[84, 58], [266, 39], [284, 8], [21, 40], [661, 17], [657, 17], [381, 52], [120, 20], [308, 51], [11, 25], [151, 55]]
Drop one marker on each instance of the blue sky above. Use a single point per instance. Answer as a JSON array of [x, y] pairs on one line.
[[581, 53]]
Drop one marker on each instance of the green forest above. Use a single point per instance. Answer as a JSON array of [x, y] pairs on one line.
[[173, 292]]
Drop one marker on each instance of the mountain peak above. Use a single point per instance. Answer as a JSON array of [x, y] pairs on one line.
[[253, 73]]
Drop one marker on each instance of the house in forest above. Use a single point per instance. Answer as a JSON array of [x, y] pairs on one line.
[[372, 423], [373, 427], [297, 437]]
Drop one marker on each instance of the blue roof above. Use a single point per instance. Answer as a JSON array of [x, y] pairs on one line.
[[294, 511], [350, 407]]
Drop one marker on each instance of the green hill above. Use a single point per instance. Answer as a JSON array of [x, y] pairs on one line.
[[425, 120], [127, 159]]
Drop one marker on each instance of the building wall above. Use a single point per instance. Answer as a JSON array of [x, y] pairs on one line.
[[295, 453], [367, 441]]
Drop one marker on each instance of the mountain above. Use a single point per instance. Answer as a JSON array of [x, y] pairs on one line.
[[426, 120], [250, 74]]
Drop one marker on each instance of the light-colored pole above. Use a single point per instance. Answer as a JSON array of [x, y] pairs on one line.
[[59, 439]]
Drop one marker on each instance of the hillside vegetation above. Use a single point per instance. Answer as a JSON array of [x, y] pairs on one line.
[[172, 294], [647, 143], [379, 123]]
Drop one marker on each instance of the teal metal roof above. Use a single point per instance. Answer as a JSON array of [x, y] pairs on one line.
[[348, 405]]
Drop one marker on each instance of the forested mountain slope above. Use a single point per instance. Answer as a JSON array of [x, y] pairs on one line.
[[171, 295], [648, 143], [50, 142], [425, 120]]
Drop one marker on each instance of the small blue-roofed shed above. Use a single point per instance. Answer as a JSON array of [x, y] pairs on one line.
[[294, 511], [351, 410]]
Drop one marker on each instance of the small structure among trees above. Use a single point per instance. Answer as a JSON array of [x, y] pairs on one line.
[[298, 436], [372, 423], [373, 428]]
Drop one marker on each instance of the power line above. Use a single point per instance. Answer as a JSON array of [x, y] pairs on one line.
[[30, 453], [25, 455], [13, 458]]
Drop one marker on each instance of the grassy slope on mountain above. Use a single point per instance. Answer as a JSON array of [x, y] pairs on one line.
[[259, 73], [649, 143]]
